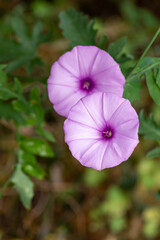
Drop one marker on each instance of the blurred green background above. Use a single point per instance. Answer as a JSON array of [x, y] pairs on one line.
[[71, 201]]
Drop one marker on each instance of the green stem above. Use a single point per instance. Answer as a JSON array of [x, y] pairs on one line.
[[145, 51], [143, 70], [4, 187]]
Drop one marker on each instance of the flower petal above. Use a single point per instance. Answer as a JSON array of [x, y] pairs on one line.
[[94, 108], [116, 89], [69, 61], [123, 113], [56, 96], [110, 104], [124, 145], [108, 75], [81, 115], [82, 131], [111, 157], [129, 128], [92, 157], [70, 98], [86, 57], [69, 72], [61, 76]]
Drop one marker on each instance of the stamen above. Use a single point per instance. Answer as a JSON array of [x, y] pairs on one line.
[[86, 85], [107, 133]]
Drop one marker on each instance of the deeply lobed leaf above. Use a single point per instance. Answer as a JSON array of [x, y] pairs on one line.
[[148, 127], [76, 28]]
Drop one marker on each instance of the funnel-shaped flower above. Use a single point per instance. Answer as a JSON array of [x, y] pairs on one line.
[[80, 72], [102, 130]]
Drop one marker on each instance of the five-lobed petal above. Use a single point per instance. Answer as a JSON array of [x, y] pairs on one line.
[[102, 130], [81, 72]]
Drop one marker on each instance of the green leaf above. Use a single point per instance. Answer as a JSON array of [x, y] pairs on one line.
[[148, 127], [147, 18], [115, 48], [146, 64], [158, 78], [6, 92], [3, 76], [147, 61], [37, 34], [123, 58], [18, 87], [153, 87], [2, 66], [22, 106], [19, 62], [37, 146], [76, 28], [9, 50], [35, 95], [33, 169], [21, 30], [30, 64], [23, 51], [30, 165], [23, 185], [45, 134], [154, 153], [102, 41], [35, 101], [8, 112], [132, 89], [129, 12]]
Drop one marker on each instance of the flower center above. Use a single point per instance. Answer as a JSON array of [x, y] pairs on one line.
[[86, 85], [107, 133]]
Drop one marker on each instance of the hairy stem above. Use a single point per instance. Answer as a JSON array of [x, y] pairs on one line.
[[145, 51]]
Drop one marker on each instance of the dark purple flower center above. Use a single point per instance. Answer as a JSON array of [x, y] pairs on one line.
[[108, 133], [86, 84]]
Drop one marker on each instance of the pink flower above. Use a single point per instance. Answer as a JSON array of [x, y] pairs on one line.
[[80, 72], [102, 130]]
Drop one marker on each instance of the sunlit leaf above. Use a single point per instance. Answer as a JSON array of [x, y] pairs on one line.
[[23, 185], [37, 146], [30, 165]]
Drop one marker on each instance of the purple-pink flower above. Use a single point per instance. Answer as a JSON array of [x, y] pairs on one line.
[[102, 130], [80, 72]]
